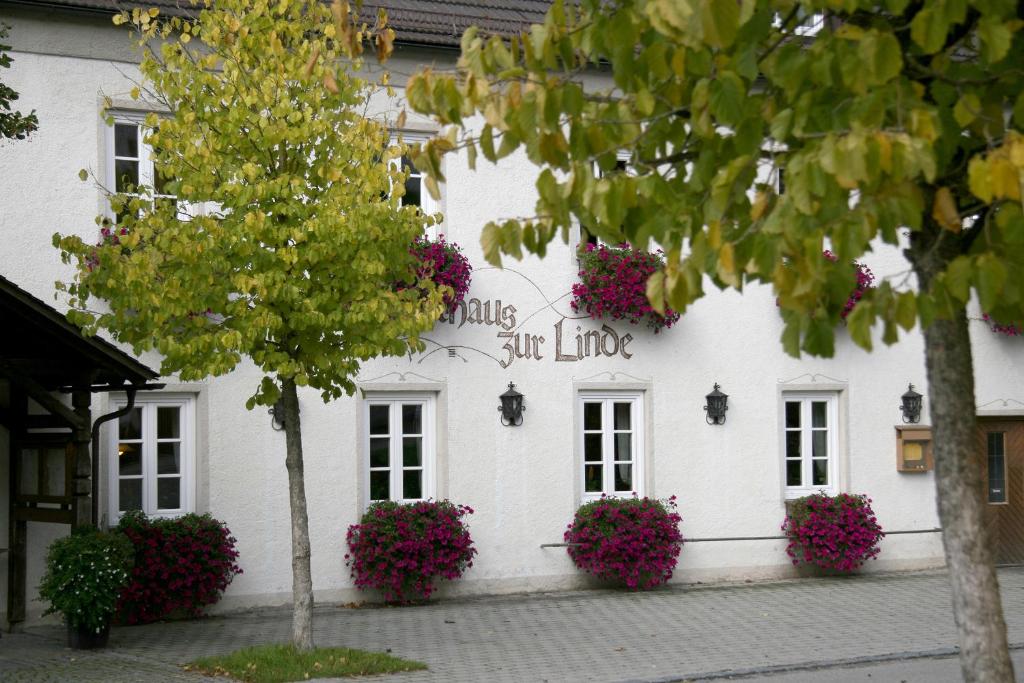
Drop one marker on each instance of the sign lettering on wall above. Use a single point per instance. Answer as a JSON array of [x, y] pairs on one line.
[[567, 342]]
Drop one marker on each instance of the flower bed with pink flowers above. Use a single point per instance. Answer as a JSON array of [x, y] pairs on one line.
[[632, 541], [837, 533], [445, 264], [613, 286], [182, 565], [402, 549]]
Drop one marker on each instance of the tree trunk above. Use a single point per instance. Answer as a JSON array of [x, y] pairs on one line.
[[977, 609], [302, 580]]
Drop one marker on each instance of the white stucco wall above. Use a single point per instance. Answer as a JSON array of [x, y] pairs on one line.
[[521, 481]]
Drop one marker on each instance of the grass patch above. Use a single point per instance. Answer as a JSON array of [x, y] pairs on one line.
[[282, 663]]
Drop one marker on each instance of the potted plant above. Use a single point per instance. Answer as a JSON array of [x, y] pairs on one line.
[[835, 533], [401, 548], [445, 264], [630, 541], [613, 286], [85, 573]]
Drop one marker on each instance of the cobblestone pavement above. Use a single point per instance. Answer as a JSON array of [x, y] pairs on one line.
[[678, 633]]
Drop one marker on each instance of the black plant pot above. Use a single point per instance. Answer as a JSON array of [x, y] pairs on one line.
[[82, 638]]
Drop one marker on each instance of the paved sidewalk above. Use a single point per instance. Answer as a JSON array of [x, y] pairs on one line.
[[679, 633]]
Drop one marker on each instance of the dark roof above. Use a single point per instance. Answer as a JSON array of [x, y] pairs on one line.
[[424, 22], [39, 341]]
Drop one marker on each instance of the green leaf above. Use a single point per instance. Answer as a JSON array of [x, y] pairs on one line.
[[996, 38], [859, 323], [906, 310], [958, 277], [928, 29], [990, 277], [656, 291], [83, 174], [880, 52], [719, 21]]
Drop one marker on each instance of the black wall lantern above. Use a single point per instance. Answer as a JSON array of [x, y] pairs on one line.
[[277, 415], [511, 407], [717, 404], [911, 406]]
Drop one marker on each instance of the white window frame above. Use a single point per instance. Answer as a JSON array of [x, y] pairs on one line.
[[429, 434], [428, 205], [806, 429], [638, 447], [149, 403]]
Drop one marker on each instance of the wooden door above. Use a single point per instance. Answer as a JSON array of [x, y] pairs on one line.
[[1001, 449]]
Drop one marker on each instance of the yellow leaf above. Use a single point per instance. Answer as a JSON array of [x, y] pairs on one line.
[[944, 210], [329, 82], [400, 122]]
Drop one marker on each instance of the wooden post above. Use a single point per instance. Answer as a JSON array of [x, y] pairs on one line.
[[83, 484], [17, 534]]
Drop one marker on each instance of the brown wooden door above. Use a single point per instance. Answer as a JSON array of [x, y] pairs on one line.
[[1001, 449]]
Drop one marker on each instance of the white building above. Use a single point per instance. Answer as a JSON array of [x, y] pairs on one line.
[[524, 482]]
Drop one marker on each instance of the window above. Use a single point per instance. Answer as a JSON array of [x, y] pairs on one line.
[[152, 457], [611, 443], [400, 448], [131, 164], [416, 192], [586, 237], [810, 443], [996, 467]]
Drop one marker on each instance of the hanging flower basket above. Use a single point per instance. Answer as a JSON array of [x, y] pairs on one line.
[[613, 286], [838, 533], [631, 541], [445, 264], [999, 328], [865, 281]]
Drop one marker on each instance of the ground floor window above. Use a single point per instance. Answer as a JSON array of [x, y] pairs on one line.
[[810, 444], [152, 456], [399, 447], [611, 443], [996, 467]]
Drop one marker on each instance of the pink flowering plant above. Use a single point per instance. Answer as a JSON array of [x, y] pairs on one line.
[[865, 281], [833, 532], [182, 565], [401, 549], [1008, 330], [613, 286], [630, 541], [445, 264]]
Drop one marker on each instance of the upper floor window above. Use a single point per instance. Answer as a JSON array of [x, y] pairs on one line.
[[587, 237], [416, 193], [611, 443], [152, 456], [130, 164], [400, 448], [810, 443]]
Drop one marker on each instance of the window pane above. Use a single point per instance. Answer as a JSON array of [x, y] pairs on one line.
[[591, 416], [793, 477], [412, 419], [592, 478], [819, 444], [996, 468], [129, 494], [412, 195], [379, 455], [792, 414], [168, 493], [168, 422], [126, 175], [792, 444], [412, 451], [379, 420], [129, 458], [820, 472], [623, 415], [130, 425], [380, 485], [29, 472], [623, 477], [126, 140], [592, 447], [819, 414], [168, 458], [412, 484], [623, 447]]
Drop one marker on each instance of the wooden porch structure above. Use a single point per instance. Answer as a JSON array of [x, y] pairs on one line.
[[50, 451]]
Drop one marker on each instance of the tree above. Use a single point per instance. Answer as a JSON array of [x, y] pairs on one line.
[[300, 257], [898, 121], [13, 124]]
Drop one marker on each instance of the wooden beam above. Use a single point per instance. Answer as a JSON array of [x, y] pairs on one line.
[[40, 395]]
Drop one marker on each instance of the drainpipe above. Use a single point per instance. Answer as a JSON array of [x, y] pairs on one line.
[[130, 392]]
